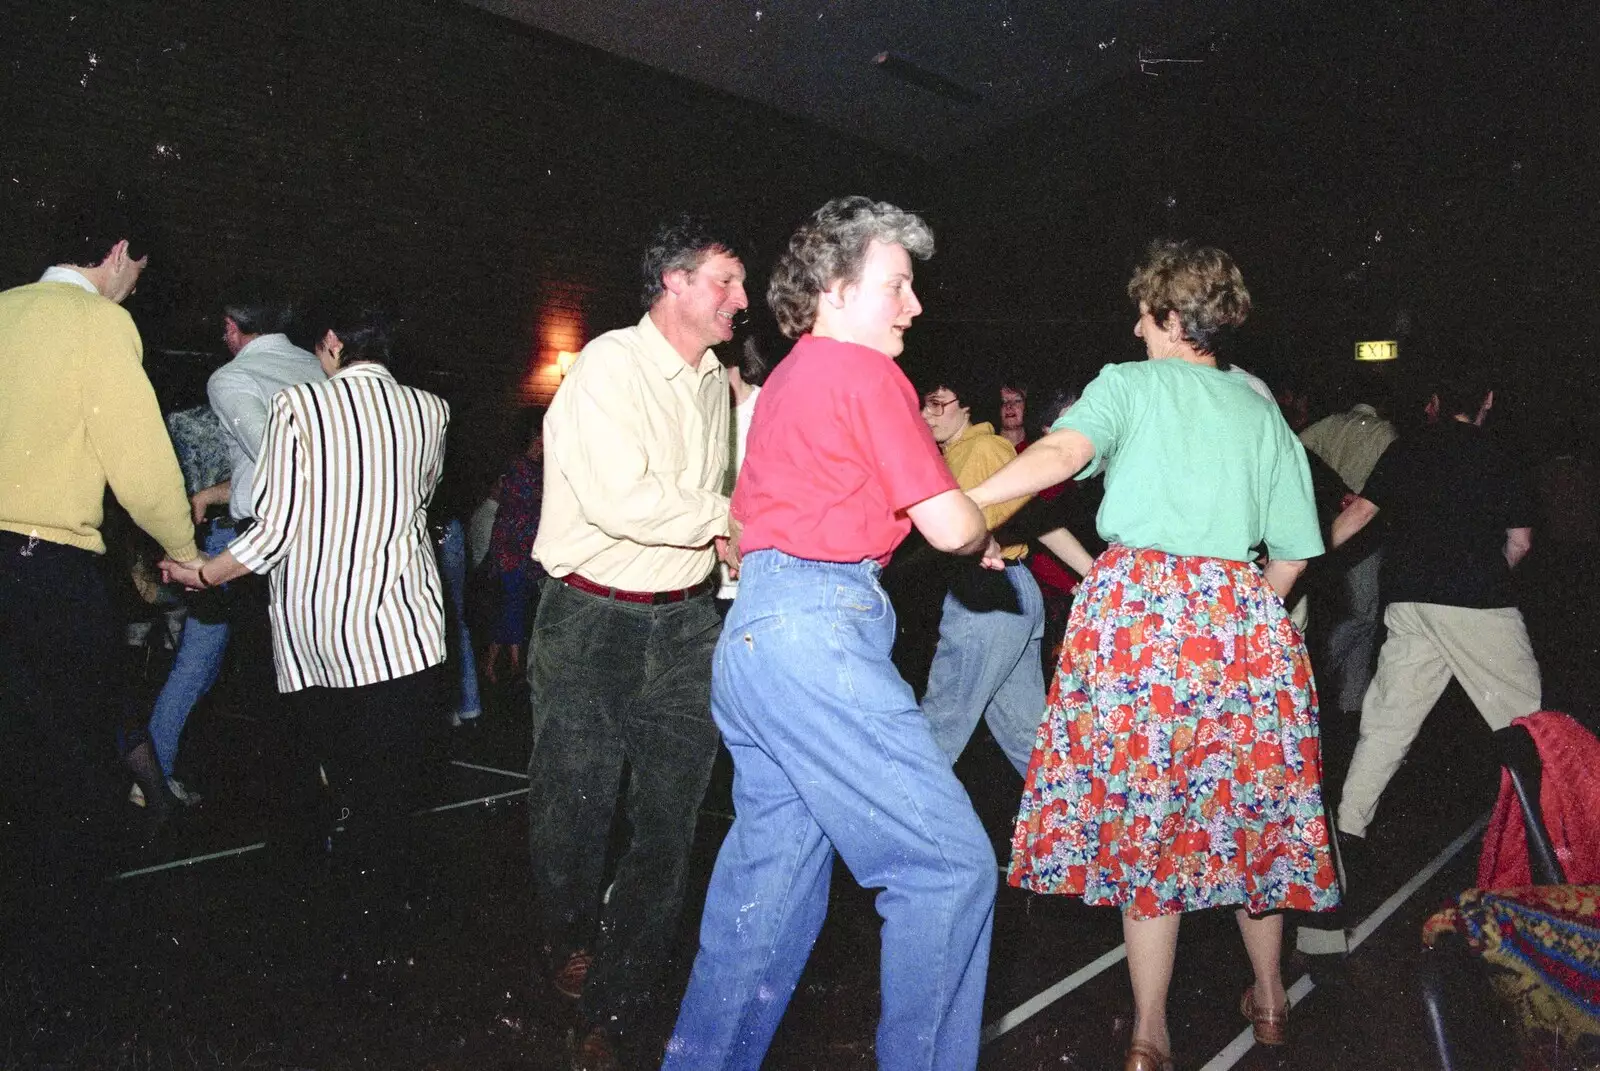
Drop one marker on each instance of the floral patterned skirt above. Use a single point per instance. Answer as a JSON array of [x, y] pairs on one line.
[[1178, 765]]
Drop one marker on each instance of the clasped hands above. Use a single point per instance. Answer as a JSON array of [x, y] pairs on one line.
[[991, 559], [185, 573], [728, 547]]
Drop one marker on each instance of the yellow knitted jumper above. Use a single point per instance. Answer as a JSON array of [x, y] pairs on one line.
[[78, 413]]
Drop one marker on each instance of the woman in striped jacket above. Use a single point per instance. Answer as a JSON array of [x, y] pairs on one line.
[[346, 470]]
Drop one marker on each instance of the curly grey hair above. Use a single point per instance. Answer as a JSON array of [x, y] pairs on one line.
[[831, 247]]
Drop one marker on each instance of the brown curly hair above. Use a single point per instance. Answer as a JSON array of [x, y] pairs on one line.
[[1201, 284]]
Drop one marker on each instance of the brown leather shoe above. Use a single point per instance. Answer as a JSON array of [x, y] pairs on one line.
[[568, 981], [595, 1053], [1143, 1056], [1269, 1027]]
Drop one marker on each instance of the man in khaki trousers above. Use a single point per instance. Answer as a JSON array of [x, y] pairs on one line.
[[1459, 520]]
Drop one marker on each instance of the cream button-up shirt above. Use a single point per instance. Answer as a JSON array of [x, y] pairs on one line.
[[1351, 443], [635, 448]]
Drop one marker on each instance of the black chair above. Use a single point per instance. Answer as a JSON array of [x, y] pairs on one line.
[[1520, 757], [1469, 1027]]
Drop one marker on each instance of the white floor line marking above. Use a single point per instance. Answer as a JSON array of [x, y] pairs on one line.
[[210, 856], [1422, 877], [1245, 1041], [468, 803], [725, 816], [1029, 1008], [227, 853], [489, 769], [193, 859], [1230, 1055], [1234, 1051]]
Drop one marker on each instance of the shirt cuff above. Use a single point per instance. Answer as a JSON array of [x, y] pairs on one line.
[[186, 553], [247, 551]]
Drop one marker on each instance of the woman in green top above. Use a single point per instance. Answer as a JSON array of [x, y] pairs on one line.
[[1177, 767]]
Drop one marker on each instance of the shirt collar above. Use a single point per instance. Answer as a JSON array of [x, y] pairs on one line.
[[261, 342], [666, 359], [59, 274], [971, 431], [363, 370], [1364, 409]]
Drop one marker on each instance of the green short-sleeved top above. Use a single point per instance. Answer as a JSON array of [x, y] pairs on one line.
[[1196, 463]]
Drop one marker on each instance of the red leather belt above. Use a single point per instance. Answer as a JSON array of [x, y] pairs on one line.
[[651, 598]]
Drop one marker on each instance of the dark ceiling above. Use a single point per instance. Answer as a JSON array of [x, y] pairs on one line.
[[924, 77], [1427, 170]]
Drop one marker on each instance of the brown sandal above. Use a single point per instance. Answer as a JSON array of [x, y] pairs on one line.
[[1269, 1027], [568, 981], [1143, 1056]]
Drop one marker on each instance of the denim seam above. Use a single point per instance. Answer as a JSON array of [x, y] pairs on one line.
[[944, 998]]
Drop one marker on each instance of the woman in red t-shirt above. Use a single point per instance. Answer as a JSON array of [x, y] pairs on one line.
[[831, 752]]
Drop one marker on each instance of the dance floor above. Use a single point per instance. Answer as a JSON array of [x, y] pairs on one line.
[[207, 971]]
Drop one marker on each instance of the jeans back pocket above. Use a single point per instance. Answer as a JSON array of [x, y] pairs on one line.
[[860, 602]]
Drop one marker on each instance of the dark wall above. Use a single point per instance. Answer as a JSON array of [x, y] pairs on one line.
[[1427, 171], [1422, 171], [496, 180]]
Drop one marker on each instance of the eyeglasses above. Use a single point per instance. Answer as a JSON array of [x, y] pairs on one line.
[[937, 407]]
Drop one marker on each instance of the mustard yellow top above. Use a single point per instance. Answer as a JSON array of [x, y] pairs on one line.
[[975, 455], [77, 413]]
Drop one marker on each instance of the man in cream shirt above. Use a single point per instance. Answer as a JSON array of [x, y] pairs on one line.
[[633, 521]]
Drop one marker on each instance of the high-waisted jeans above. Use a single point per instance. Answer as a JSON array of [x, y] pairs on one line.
[[988, 665], [831, 753]]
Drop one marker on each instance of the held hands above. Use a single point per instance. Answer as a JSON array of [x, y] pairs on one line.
[[185, 573], [990, 557], [727, 554], [728, 547]]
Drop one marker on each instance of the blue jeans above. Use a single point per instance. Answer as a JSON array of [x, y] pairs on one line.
[[987, 665], [194, 667], [453, 568], [831, 754]]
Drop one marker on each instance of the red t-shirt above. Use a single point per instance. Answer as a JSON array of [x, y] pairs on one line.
[[838, 450]]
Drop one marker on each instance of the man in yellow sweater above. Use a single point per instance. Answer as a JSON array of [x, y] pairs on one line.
[[991, 627], [77, 414]]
